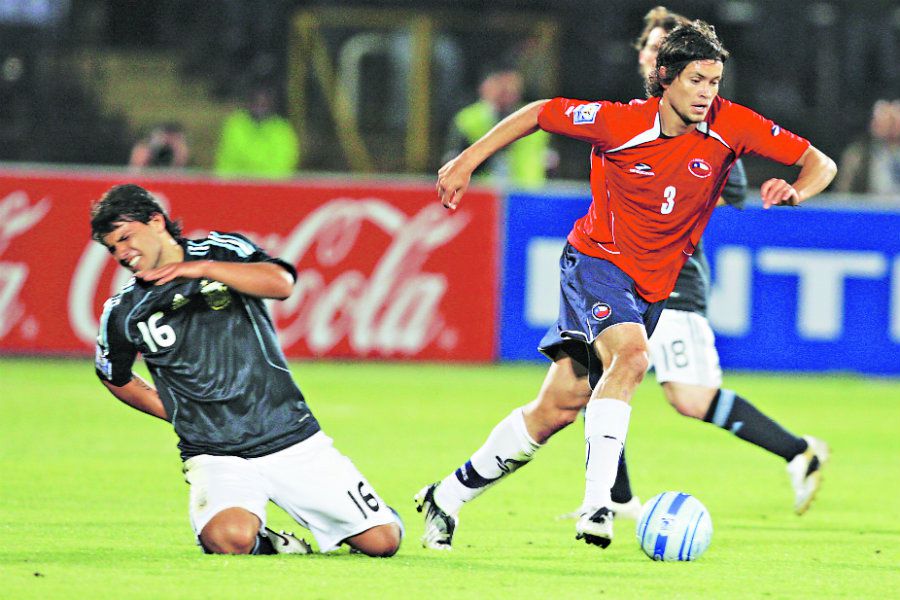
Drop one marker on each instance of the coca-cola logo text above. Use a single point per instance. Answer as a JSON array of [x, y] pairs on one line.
[[392, 308], [17, 216]]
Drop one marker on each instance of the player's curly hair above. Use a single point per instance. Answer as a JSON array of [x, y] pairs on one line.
[[127, 202], [658, 16], [686, 43]]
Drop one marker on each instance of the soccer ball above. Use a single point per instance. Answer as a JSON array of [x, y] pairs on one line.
[[674, 526]]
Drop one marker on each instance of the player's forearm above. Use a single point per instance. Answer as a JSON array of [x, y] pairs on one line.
[[262, 279], [141, 395], [517, 125], [816, 171]]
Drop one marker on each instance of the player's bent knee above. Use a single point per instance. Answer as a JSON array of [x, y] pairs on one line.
[[232, 531], [230, 540], [632, 363], [690, 401], [381, 541], [688, 408]]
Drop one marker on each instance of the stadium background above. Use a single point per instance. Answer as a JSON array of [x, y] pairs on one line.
[[370, 87], [92, 502]]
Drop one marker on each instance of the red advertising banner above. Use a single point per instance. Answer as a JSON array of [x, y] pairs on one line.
[[383, 270]]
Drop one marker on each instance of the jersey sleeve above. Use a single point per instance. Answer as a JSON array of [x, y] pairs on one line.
[[114, 355], [234, 247], [763, 137], [585, 121]]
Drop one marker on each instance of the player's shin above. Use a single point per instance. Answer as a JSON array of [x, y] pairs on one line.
[[737, 415], [605, 428], [507, 448]]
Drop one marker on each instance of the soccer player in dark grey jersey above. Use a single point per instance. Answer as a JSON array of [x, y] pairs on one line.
[[683, 352], [194, 310]]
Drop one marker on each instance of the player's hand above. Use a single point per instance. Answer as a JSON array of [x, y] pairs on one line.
[[778, 191], [194, 269], [452, 183]]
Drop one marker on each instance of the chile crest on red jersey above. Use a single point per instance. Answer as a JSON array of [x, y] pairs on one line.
[[699, 168]]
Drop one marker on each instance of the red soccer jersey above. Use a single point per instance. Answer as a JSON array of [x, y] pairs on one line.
[[653, 195]]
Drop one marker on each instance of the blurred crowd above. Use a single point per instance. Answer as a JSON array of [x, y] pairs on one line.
[[241, 54], [871, 163]]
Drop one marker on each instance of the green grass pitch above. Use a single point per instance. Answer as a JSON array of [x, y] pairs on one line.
[[93, 504]]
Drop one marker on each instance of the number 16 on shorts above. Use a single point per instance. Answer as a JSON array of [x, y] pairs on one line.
[[364, 498]]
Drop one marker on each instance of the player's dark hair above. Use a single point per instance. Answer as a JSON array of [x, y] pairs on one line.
[[658, 16], [127, 202], [684, 44]]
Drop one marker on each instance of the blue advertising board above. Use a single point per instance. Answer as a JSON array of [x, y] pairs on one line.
[[793, 289]]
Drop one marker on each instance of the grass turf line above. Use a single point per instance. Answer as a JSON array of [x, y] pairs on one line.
[[93, 503]]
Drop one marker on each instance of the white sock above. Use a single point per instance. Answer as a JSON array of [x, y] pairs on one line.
[[605, 426], [507, 448]]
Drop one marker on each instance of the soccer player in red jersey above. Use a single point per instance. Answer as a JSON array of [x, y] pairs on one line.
[[658, 169], [683, 351]]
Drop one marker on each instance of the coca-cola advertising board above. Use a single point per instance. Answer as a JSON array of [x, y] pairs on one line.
[[384, 271]]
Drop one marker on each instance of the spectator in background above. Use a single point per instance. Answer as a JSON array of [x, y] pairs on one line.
[[165, 146], [872, 164], [524, 163], [256, 141]]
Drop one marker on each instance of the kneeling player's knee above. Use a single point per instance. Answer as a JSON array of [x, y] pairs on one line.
[[232, 531], [382, 541], [229, 539]]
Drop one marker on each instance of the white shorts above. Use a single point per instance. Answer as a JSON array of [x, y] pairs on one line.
[[683, 350], [312, 481]]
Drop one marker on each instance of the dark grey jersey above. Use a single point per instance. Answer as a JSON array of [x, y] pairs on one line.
[[213, 354], [692, 287]]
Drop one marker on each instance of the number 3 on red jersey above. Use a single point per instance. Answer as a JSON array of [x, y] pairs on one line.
[[669, 204]]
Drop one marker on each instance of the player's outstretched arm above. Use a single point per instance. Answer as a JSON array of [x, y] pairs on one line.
[[260, 279], [816, 172], [453, 177], [140, 394]]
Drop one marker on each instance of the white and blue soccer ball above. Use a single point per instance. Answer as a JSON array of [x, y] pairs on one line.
[[674, 526]]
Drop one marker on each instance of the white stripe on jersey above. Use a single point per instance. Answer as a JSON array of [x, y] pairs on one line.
[[198, 248], [244, 247], [704, 128], [231, 247], [641, 138], [110, 304]]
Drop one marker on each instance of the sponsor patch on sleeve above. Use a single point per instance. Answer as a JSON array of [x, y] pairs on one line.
[[585, 114]]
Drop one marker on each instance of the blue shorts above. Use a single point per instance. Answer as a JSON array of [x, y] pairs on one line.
[[594, 295]]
